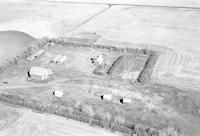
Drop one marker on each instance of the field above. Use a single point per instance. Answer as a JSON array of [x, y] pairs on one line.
[[174, 3], [41, 19]]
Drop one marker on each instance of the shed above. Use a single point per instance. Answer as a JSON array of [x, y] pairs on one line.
[[55, 60], [107, 97], [58, 93], [125, 101], [62, 59]]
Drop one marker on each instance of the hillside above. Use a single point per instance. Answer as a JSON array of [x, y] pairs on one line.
[[13, 43]]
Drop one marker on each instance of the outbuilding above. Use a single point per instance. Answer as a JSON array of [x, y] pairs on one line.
[[99, 60], [62, 59], [59, 59], [125, 101], [55, 60], [107, 97], [58, 93], [40, 73]]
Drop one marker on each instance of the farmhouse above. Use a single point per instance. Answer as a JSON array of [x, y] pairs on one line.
[[35, 55], [102, 59], [39, 73]]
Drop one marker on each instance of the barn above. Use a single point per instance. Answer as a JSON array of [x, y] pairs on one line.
[[39, 73]]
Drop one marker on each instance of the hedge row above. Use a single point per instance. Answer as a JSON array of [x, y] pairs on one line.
[[77, 114]]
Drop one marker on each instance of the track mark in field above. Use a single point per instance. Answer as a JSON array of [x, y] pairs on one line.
[[34, 124], [178, 67]]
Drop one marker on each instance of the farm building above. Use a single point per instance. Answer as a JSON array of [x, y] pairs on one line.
[[58, 93], [107, 97], [102, 59], [102, 63], [59, 59], [35, 55], [125, 101], [62, 59], [39, 73], [55, 60]]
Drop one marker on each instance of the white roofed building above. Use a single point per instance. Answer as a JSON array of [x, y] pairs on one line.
[[100, 59], [55, 60], [58, 93], [59, 59], [126, 101], [40, 73], [107, 97], [62, 59]]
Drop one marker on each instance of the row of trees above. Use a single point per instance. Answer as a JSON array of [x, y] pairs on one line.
[[41, 43], [145, 74], [78, 43], [86, 113]]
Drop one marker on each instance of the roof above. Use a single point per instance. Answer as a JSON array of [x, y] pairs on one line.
[[62, 59], [40, 71], [57, 58], [100, 59]]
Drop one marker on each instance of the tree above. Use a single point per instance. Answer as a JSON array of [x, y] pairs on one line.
[[120, 119]]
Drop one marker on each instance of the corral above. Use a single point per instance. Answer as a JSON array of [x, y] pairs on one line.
[[129, 66]]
